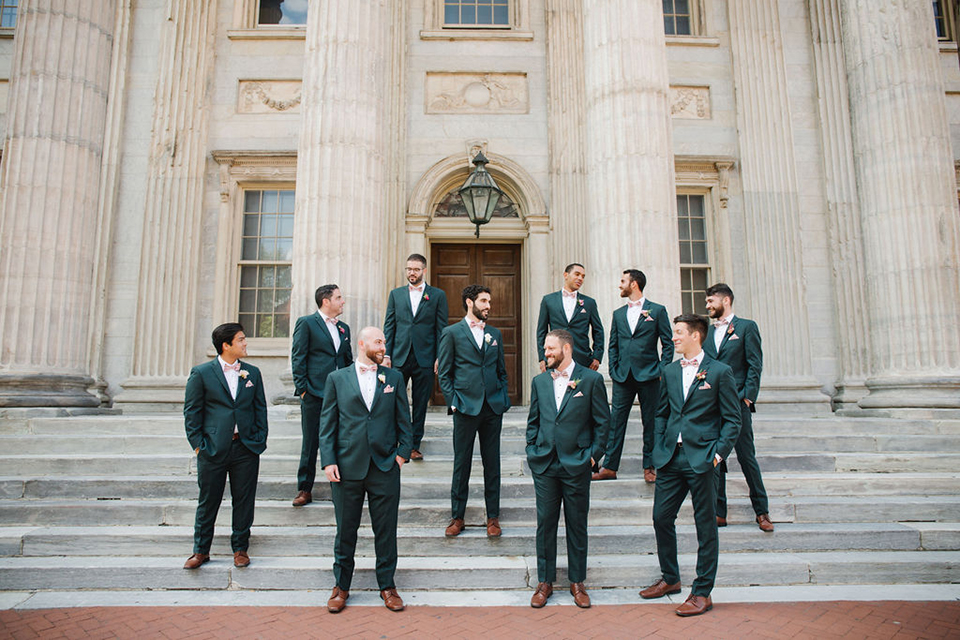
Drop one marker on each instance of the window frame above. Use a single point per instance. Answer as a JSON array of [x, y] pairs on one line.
[[949, 8], [246, 25], [434, 27], [7, 32]]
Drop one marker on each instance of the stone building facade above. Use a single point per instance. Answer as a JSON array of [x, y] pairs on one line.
[[172, 164]]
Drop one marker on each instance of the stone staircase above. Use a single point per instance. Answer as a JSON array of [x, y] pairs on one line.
[[107, 503]]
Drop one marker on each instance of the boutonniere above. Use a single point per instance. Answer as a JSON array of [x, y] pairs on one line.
[[573, 383], [382, 378], [243, 373], [388, 389], [580, 301], [426, 296], [342, 330], [487, 338], [701, 375], [730, 330], [645, 313]]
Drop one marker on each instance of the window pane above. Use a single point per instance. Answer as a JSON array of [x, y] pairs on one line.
[[265, 300], [485, 15], [451, 13], [264, 326], [284, 250], [682, 206], [286, 226], [266, 277], [287, 199], [696, 205], [685, 253], [248, 299], [683, 227], [699, 253], [699, 279], [251, 201], [468, 14], [248, 277], [681, 6], [248, 324], [501, 14], [683, 26], [268, 247], [271, 199], [281, 326], [268, 225], [668, 28], [284, 12], [698, 229], [284, 279], [281, 300], [250, 225], [249, 251]]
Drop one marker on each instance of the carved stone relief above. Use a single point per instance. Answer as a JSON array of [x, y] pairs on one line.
[[476, 93], [691, 103], [269, 96]]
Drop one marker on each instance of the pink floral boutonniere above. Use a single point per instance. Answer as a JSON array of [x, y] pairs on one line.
[[382, 378], [580, 301], [426, 296], [645, 312], [701, 375], [730, 330], [573, 383], [342, 330], [243, 373]]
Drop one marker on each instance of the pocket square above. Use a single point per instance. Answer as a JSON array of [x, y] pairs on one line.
[[578, 394], [249, 384], [734, 337], [705, 385], [388, 389], [583, 310], [649, 319], [493, 344]]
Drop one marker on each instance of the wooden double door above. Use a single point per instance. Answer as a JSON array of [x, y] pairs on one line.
[[496, 266]]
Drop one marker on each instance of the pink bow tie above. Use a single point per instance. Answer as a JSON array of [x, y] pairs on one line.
[[332, 321], [365, 369], [480, 324], [634, 304], [568, 294], [688, 363], [231, 367], [559, 374], [413, 288], [721, 323]]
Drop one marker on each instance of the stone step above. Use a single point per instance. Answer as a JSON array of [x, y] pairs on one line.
[[436, 512], [479, 573], [429, 488], [516, 540]]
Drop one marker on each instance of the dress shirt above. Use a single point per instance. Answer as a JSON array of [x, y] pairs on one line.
[[476, 331], [633, 313], [719, 332], [560, 384], [233, 380], [569, 303], [368, 384], [332, 328], [416, 295], [689, 374]]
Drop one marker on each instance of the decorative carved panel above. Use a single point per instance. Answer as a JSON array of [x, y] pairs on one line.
[[690, 103], [476, 93], [269, 96]]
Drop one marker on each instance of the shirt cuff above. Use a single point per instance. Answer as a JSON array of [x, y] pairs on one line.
[[717, 457]]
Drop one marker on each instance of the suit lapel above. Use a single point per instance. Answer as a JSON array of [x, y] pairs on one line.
[[569, 391], [726, 335], [423, 301], [377, 390], [546, 391], [469, 333], [355, 385], [642, 317], [218, 373], [322, 324], [696, 383]]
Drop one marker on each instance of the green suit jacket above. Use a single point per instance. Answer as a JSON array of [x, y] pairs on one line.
[[468, 374], [636, 352], [577, 431], [351, 436], [312, 356], [740, 350], [585, 319], [210, 413], [408, 335], [708, 418]]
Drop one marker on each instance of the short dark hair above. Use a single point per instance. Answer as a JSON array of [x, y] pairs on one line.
[[636, 276], [695, 324], [324, 292], [563, 336], [419, 258], [570, 267], [721, 289], [225, 333], [471, 291]]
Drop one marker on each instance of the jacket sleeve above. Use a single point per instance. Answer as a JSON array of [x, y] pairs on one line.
[[260, 408], [542, 327], [663, 409], [442, 314], [601, 418], [446, 354], [299, 346], [754, 355], [666, 337], [329, 424], [502, 372], [596, 329], [533, 416], [613, 352], [730, 414], [390, 325], [348, 356], [193, 401], [402, 413]]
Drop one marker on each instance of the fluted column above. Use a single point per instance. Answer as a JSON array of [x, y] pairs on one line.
[[908, 204], [631, 191], [53, 150], [775, 293], [165, 337], [843, 209], [566, 118], [342, 181]]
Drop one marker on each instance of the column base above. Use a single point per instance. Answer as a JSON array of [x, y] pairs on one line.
[[793, 397], [937, 395], [151, 395], [848, 394], [46, 390]]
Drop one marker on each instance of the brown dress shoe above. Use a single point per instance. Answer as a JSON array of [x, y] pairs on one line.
[[493, 528], [694, 606], [659, 589], [196, 560], [604, 474], [338, 600], [416, 455], [544, 591], [391, 599], [580, 597], [454, 528], [721, 522], [241, 559], [650, 475], [764, 521], [303, 498]]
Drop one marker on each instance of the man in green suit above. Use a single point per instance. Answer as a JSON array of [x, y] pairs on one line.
[[697, 425], [416, 316], [225, 417], [735, 341], [635, 366], [473, 378], [364, 441], [566, 429], [320, 346], [576, 313]]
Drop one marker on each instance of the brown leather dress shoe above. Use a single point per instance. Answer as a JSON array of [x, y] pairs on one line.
[[721, 522], [659, 589], [604, 474], [241, 559], [196, 560], [416, 455], [580, 597], [650, 475], [303, 498], [338, 600], [454, 528], [493, 528], [764, 521], [391, 599], [544, 591], [694, 606]]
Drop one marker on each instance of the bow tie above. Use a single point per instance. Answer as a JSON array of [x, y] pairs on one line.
[[721, 323], [474, 325], [688, 363], [366, 369], [634, 304], [332, 321], [559, 374], [568, 294], [413, 288], [231, 367]]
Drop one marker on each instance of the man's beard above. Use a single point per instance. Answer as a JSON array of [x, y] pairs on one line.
[[375, 356]]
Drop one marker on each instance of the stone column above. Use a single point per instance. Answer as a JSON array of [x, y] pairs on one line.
[[843, 210], [566, 118], [165, 340], [629, 151], [775, 291], [59, 85], [342, 168], [908, 204]]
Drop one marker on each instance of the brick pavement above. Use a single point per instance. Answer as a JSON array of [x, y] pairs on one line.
[[791, 620]]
